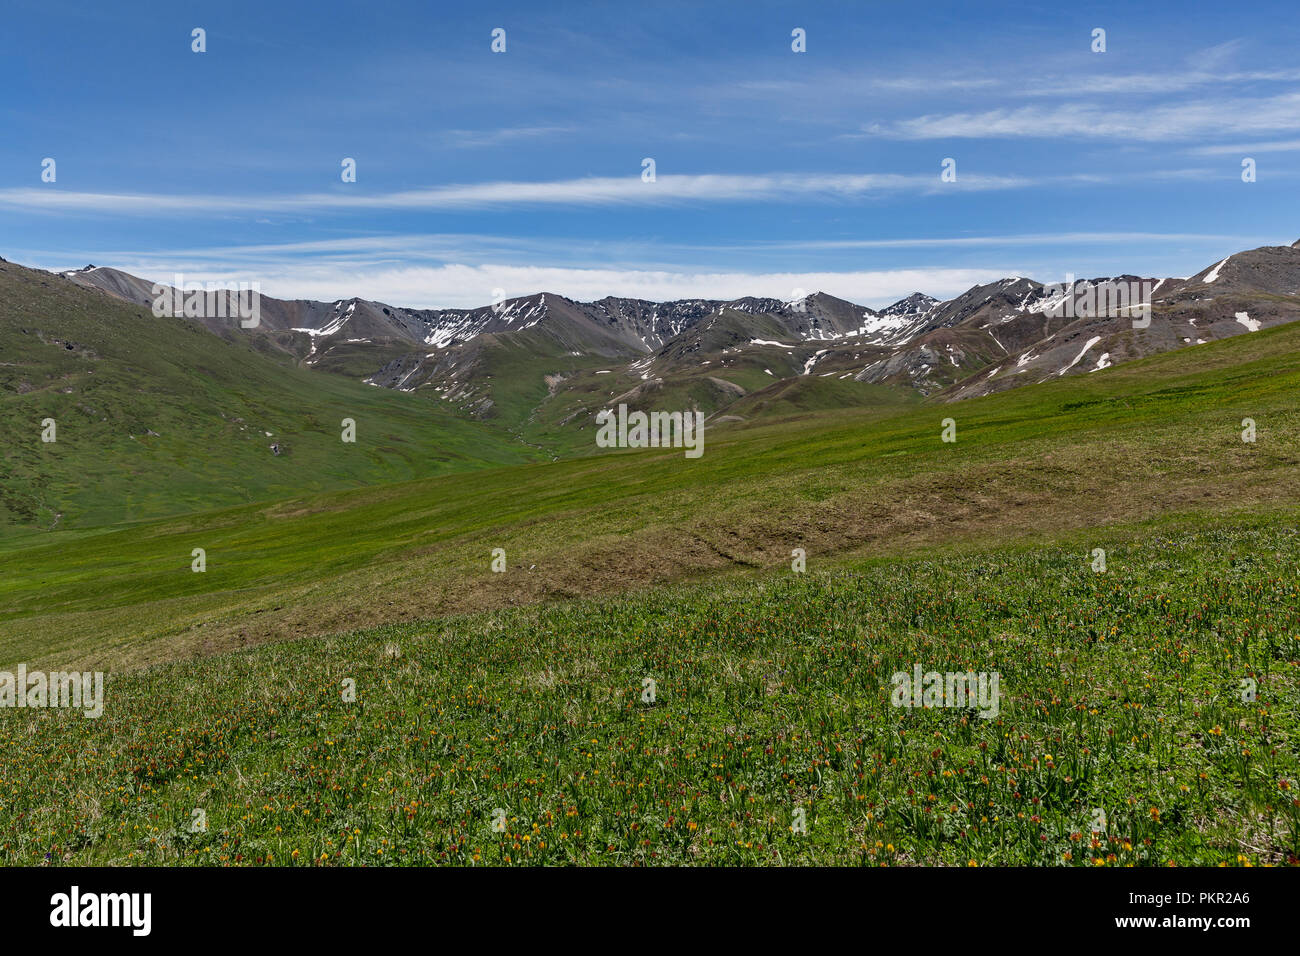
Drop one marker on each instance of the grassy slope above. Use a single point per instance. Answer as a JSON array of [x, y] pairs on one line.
[[513, 372], [809, 394], [512, 368], [1144, 439], [208, 403], [1120, 693]]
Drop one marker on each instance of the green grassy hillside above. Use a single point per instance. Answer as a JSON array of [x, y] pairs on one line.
[[795, 396], [1157, 437], [1146, 716], [156, 416]]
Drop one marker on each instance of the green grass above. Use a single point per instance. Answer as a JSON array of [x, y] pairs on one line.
[[801, 395], [156, 416], [1160, 436], [522, 690], [1121, 693]]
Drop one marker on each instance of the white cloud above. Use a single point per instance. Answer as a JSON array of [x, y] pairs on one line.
[[593, 191], [456, 285], [1148, 83], [467, 138], [1217, 55], [378, 249], [1246, 149], [461, 270], [1023, 239], [1084, 122]]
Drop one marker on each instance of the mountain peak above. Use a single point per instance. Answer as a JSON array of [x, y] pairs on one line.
[[910, 305]]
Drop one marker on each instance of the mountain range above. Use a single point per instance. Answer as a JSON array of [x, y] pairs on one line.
[[544, 362], [159, 414]]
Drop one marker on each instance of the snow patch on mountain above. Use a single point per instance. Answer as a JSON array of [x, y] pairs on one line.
[[1214, 273], [808, 365], [1078, 358]]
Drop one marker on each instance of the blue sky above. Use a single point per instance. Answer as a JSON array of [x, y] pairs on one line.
[[522, 170]]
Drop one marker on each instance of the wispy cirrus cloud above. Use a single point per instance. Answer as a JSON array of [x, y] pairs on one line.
[[1245, 149], [507, 249], [472, 138], [1023, 239], [1218, 54], [1083, 121], [591, 191], [1040, 79], [928, 83], [1139, 84]]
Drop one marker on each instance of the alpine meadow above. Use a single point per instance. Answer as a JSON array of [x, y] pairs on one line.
[[649, 437]]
